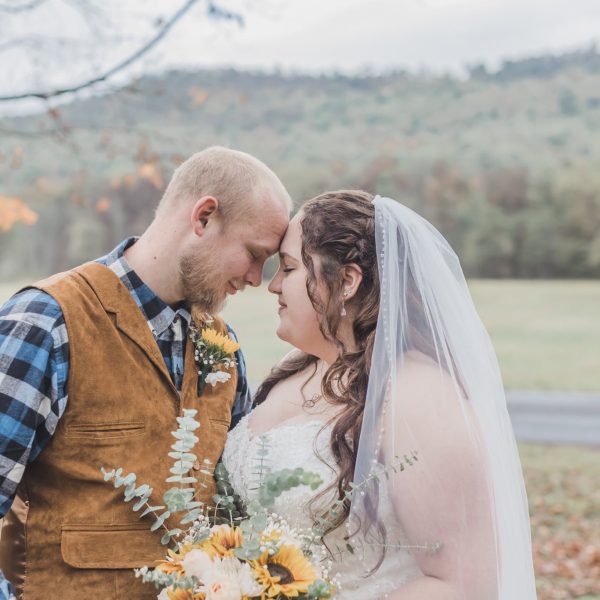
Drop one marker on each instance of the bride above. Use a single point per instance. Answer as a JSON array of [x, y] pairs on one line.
[[395, 388]]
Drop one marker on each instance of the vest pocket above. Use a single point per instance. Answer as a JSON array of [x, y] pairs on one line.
[[97, 546], [104, 430], [219, 423]]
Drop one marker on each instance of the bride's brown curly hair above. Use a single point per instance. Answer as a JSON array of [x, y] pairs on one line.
[[339, 228]]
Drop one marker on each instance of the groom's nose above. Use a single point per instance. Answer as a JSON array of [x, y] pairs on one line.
[[254, 275]]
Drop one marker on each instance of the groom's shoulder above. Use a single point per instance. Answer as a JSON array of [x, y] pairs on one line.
[[231, 331], [34, 306], [32, 325]]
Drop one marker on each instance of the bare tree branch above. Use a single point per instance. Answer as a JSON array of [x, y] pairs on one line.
[[23, 7], [214, 11]]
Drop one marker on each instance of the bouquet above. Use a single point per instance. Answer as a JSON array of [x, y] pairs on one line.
[[228, 551]]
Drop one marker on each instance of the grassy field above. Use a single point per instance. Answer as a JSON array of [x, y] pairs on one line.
[[546, 335]]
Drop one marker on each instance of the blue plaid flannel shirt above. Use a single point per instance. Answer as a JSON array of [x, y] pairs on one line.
[[34, 368]]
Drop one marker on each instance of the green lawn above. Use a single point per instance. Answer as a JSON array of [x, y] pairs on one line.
[[546, 333]]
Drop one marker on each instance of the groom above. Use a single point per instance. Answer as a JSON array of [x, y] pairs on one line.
[[95, 366]]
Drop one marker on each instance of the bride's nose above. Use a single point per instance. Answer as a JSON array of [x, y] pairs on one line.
[[275, 283]]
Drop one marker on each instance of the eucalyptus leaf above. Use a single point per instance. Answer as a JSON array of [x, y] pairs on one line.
[[191, 516], [180, 479], [129, 479], [160, 520], [151, 509], [139, 504], [183, 456]]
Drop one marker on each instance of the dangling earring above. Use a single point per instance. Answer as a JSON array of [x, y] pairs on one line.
[[343, 313]]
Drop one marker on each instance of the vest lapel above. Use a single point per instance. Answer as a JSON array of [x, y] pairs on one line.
[[116, 299]]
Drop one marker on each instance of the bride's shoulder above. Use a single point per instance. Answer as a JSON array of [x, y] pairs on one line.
[[420, 376], [432, 404], [415, 366]]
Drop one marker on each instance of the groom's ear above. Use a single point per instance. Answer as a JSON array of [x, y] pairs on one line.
[[202, 212], [351, 279]]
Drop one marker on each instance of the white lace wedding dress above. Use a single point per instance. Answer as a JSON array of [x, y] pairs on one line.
[[292, 445]]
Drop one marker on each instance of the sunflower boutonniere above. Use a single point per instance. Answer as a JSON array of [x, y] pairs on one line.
[[213, 352]]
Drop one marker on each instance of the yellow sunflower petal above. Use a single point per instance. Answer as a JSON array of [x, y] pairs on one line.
[[288, 572], [214, 338]]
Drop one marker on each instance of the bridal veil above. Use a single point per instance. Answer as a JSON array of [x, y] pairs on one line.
[[436, 440]]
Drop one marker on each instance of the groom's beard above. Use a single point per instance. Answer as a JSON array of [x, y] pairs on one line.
[[202, 283]]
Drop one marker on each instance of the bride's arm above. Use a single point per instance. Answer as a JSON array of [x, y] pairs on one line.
[[426, 587], [444, 496]]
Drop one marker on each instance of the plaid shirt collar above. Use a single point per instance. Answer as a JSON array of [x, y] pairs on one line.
[[159, 315]]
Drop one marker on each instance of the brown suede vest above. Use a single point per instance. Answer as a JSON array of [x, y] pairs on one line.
[[70, 535]]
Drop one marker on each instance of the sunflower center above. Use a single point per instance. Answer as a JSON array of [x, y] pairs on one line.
[[277, 570]]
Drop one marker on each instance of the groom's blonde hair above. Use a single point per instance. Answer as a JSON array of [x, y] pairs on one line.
[[236, 179]]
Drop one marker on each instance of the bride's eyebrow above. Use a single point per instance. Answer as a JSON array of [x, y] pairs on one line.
[[284, 255]]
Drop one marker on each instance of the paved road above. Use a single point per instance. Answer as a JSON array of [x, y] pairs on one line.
[[555, 417]]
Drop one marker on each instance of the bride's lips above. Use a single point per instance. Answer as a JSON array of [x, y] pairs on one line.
[[282, 306]]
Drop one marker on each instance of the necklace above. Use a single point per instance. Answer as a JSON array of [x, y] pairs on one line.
[[310, 402]]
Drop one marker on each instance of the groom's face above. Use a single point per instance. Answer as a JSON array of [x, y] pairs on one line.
[[231, 257]]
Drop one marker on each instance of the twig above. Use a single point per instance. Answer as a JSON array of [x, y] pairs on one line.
[[213, 11]]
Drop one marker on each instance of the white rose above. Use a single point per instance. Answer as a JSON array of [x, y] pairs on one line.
[[164, 594], [217, 377], [229, 579], [223, 589], [248, 585], [197, 563]]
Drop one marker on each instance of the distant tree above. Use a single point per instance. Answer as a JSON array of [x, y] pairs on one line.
[[567, 103]]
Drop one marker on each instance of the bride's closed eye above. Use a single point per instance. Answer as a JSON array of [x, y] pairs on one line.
[[287, 269]]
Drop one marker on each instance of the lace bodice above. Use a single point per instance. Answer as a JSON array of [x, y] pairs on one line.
[[299, 444]]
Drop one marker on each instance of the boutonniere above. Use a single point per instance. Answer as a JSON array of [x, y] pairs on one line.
[[213, 352]]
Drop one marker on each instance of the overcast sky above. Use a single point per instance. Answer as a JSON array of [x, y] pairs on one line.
[[436, 34], [294, 35]]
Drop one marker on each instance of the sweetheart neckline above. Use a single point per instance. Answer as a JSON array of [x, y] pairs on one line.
[[283, 425]]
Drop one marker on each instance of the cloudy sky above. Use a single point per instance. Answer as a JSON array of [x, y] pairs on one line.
[[435, 34], [55, 45]]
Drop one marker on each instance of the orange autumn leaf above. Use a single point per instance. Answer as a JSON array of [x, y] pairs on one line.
[[129, 181], [151, 172], [103, 205], [198, 96], [17, 159], [76, 199], [14, 210]]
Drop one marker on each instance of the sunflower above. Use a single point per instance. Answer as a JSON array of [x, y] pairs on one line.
[[288, 572], [173, 562], [180, 594], [222, 541], [222, 342]]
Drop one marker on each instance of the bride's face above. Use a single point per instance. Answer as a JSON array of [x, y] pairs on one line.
[[298, 320]]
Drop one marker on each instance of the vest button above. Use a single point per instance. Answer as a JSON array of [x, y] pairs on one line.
[[196, 466]]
